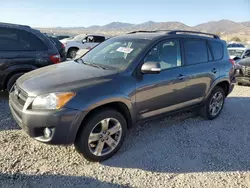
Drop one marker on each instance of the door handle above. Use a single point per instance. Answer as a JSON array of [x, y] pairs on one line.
[[214, 70], [181, 77]]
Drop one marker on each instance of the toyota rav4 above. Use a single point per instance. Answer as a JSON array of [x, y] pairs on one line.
[[93, 100]]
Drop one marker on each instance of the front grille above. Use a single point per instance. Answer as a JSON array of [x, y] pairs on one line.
[[246, 70], [17, 99], [19, 95]]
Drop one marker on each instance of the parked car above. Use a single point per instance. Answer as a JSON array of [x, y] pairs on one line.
[[92, 101], [23, 49], [235, 45], [59, 46], [82, 41], [239, 53], [242, 58]]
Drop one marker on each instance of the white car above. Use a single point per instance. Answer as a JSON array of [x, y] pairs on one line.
[[82, 41], [239, 52]]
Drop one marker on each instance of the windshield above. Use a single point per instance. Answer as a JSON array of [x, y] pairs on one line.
[[116, 53], [79, 37], [237, 53]]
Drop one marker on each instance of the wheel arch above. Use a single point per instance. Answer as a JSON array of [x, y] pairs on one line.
[[16, 69], [223, 83], [122, 106]]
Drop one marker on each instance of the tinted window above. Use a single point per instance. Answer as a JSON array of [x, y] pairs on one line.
[[247, 53], [167, 53], [18, 40], [195, 51], [217, 49], [99, 39]]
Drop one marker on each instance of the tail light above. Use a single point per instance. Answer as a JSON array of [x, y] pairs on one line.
[[63, 46], [55, 58], [232, 61]]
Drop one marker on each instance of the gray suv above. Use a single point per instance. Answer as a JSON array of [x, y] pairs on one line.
[[93, 100]]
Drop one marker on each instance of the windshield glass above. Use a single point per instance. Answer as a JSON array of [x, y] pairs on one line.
[[237, 53], [79, 37], [116, 53]]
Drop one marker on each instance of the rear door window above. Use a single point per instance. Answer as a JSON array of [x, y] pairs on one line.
[[195, 51], [217, 49], [19, 40]]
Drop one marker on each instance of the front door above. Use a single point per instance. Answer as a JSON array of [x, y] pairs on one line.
[[163, 92]]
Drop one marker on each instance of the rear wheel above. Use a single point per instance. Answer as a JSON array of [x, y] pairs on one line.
[[102, 135], [13, 80], [214, 104]]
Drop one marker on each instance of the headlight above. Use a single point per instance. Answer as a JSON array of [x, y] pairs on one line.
[[52, 101]]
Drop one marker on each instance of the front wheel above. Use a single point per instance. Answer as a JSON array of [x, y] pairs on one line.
[[102, 135], [214, 105]]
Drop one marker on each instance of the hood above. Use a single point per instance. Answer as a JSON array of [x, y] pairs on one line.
[[66, 76], [245, 61]]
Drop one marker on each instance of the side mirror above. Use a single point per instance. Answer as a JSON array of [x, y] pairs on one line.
[[151, 68], [84, 40]]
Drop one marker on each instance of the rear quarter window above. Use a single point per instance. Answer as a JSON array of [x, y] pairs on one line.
[[217, 49], [19, 40]]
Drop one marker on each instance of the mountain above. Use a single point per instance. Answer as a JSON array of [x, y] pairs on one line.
[[222, 26], [150, 25], [247, 24]]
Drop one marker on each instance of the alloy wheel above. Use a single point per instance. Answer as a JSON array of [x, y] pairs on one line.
[[105, 136], [216, 103]]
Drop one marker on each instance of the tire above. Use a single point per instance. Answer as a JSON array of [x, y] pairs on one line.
[[13, 80], [205, 111], [82, 144], [72, 53]]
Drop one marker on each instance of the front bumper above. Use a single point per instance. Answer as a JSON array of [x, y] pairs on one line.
[[63, 123], [242, 79]]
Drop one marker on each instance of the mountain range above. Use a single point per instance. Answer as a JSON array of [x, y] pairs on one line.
[[223, 27]]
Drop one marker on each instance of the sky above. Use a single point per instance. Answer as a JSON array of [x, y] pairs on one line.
[[74, 13]]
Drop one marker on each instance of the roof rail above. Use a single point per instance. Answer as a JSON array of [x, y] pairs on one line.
[[141, 31], [175, 32], [12, 24]]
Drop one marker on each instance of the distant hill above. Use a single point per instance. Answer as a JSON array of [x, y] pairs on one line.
[[224, 27]]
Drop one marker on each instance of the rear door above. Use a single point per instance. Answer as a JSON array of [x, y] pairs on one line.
[[202, 66]]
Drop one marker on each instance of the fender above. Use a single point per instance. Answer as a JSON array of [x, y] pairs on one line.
[[215, 83], [16, 69], [98, 103]]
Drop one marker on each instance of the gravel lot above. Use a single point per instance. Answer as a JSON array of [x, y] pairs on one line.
[[181, 151]]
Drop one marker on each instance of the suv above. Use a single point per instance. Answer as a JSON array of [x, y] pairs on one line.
[[23, 49], [92, 101], [82, 41], [59, 46]]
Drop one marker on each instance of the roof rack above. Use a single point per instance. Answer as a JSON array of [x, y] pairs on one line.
[[141, 31], [12, 24], [175, 32]]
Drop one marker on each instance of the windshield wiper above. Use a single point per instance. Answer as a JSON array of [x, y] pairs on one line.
[[79, 60]]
